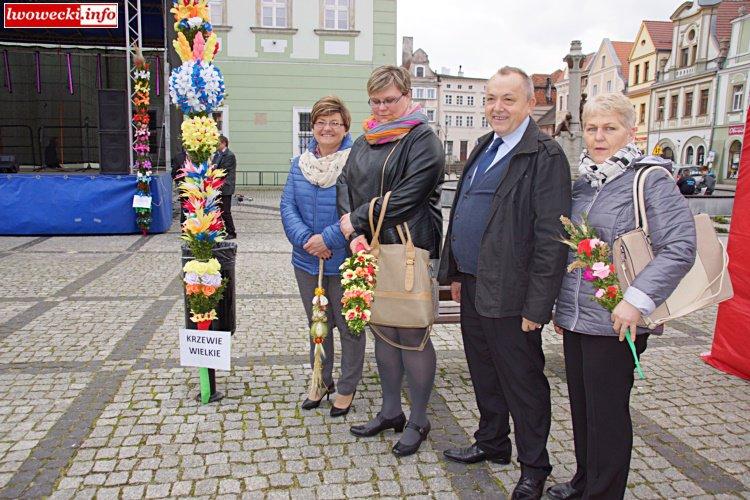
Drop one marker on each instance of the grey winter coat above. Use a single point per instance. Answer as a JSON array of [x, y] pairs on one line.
[[610, 212]]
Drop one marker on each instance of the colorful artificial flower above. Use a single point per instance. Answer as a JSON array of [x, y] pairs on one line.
[[200, 137], [196, 86], [358, 274]]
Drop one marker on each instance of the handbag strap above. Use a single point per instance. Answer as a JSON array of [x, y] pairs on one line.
[[388, 341], [639, 195], [375, 228]]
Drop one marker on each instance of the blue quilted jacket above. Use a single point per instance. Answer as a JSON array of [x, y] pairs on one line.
[[306, 210]]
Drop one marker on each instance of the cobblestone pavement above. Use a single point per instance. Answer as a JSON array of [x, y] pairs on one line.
[[95, 403]]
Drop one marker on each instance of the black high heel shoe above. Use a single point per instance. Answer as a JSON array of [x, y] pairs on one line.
[[369, 429], [404, 450], [340, 412], [310, 404]]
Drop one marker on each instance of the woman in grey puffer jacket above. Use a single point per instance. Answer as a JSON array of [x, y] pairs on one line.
[[598, 365]]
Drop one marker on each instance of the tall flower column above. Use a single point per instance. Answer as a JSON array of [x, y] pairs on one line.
[[141, 101], [197, 88]]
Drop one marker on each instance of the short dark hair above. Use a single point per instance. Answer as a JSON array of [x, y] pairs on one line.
[[330, 105], [223, 138]]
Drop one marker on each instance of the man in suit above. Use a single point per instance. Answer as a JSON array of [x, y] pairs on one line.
[[225, 160], [504, 262]]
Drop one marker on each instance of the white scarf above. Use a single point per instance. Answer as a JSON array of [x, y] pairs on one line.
[[597, 174], [323, 171]]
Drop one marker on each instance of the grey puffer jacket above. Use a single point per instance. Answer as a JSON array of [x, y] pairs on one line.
[[610, 212]]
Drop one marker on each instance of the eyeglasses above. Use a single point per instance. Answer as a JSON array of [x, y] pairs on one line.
[[388, 101], [321, 124]]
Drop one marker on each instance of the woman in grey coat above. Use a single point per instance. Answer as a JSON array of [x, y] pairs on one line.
[[598, 364]]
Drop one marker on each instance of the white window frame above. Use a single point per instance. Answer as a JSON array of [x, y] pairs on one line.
[[737, 96], [430, 115], [416, 71], [470, 121], [609, 85], [339, 13], [221, 5], [470, 100], [224, 111], [417, 92], [459, 121], [430, 93], [448, 121], [274, 5], [459, 100], [484, 122], [449, 99], [296, 111]]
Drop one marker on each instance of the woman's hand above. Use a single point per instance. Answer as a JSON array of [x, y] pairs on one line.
[[345, 224], [359, 240], [317, 247], [456, 291], [625, 316]]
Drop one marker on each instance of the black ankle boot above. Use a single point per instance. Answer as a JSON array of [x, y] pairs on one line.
[[376, 426]]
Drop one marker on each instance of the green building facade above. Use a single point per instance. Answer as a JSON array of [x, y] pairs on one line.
[[279, 56]]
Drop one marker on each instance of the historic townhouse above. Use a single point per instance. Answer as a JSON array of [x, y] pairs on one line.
[[424, 81], [732, 102], [461, 119], [651, 49], [683, 99], [608, 71], [280, 56]]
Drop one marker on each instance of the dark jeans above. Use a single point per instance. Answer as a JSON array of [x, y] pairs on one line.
[[507, 370], [599, 370], [226, 209]]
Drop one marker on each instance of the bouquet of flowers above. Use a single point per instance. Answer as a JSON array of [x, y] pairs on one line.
[[594, 259], [204, 288], [141, 101], [358, 282]]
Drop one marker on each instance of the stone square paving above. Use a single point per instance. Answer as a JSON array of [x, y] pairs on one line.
[[95, 404]]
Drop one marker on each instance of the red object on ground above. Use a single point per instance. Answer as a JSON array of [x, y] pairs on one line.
[[730, 351], [204, 325]]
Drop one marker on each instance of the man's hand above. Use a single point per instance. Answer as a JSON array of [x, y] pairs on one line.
[[359, 240], [345, 224], [456, 291], [317, 247], [625, 316], [529, 326]]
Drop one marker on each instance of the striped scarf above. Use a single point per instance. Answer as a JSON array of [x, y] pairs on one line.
[[598, 174], [382, 133]]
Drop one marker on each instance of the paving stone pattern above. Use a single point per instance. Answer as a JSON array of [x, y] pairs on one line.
[[95, 404]]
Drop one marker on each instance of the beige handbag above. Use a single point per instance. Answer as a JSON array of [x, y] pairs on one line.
[[707, 283]]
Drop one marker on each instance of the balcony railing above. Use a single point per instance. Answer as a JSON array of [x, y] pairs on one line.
[[687, 71]]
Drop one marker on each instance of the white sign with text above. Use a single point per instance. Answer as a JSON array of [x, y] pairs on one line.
[[141, 201], [206, 349]]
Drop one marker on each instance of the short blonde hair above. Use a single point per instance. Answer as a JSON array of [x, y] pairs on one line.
[[329, 105], [385, 76], [610, 102]]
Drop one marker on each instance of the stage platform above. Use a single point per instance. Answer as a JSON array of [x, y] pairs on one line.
[[60, 203]]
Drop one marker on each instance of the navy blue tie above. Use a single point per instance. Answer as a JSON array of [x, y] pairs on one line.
[[486, 160]]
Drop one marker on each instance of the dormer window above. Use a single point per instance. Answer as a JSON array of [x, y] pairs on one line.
[[420, 71], [604, 60]]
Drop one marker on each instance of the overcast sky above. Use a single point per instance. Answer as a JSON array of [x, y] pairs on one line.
[[483, 35]]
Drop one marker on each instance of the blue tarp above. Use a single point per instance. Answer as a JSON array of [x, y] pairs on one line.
[[79, 204]]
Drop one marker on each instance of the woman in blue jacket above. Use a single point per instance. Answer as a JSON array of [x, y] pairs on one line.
[[311, 223]]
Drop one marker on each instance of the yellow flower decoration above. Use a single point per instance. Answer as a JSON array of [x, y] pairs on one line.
[[198, 317], [199, 223], [211, 266], [319, 291], [182, 46], [208, 50], [196, 8], [200, 134]]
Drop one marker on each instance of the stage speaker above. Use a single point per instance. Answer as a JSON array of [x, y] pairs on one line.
[[113, 110], [8, 164], [113, 152]]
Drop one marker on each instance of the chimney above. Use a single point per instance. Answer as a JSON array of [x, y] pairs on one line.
[[460, 71], [407, 50]]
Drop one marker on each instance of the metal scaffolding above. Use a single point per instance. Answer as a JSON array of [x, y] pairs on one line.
[[133, 44]]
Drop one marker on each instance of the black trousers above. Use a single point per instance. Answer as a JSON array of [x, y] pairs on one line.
[[599, 370], [226, 209], [507, 370]]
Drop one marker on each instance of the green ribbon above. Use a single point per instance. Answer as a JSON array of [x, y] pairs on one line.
[[206, 385], [632, 349]]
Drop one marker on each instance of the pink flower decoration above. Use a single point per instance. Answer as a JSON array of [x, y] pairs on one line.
[[595, 241], [600, 293], [588, 274], [601, 270]]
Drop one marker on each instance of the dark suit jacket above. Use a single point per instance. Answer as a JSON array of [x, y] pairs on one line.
[[227, 162], [521, 260]]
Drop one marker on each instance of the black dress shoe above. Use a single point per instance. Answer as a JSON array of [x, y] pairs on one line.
[[528, 488], [230, 237], [376, 426], [340, 412], [404, 450], [472, 455], [309, 404], [563, 491]]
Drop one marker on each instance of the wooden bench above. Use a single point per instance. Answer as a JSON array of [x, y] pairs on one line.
[[448, 310]]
